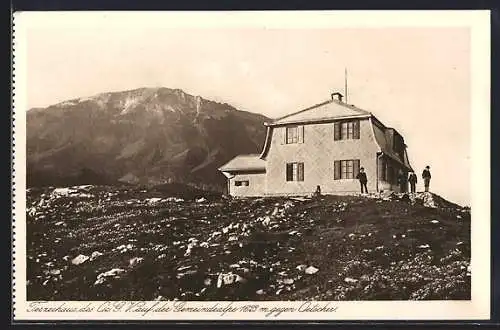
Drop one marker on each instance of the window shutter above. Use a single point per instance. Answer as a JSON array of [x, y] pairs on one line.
[[355, 168], [356, 129], [301, 172], [336, 170], [301, 133], [336, 129], [285, 131], [289, 172]]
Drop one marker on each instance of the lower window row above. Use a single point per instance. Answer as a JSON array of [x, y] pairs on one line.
[[342, 169]]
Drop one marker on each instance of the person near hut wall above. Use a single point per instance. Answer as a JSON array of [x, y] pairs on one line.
[[413, 181], [363, 180]]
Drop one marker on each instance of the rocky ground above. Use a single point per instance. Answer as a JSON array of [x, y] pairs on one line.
[[122, 243]]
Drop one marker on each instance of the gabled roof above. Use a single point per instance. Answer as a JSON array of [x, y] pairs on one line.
[[251, 162], [329, 110]]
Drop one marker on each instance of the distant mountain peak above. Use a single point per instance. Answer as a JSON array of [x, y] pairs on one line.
[[140, 133]]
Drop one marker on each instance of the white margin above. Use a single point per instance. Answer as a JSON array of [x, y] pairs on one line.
[[479, 23]]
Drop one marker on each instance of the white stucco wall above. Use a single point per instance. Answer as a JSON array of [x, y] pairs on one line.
[[318, 153], [256, 187]]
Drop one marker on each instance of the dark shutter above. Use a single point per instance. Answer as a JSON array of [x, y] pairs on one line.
[[300, 174], [285, 131], [355, 167], [336, 170], [356, 129], [301, 133], [289, 172], [336, 131]]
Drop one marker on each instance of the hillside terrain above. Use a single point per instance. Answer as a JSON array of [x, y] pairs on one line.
[[141, 136], [125, 243]]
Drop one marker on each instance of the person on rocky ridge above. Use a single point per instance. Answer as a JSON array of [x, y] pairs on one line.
[[426, 175], [412, 179]]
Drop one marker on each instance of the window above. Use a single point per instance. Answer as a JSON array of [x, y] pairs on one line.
[[241, 183], [295, 172], [346, 130], [294, 134], [346, 169]]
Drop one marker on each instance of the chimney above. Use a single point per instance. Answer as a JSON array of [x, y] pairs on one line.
[[338, 96]]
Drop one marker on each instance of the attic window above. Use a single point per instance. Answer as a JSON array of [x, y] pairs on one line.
[[294, 134], [346, 130]]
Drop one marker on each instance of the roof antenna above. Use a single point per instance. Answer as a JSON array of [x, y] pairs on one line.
[[345, 84]]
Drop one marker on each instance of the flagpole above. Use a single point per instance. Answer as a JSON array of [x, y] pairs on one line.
[[345, 84]]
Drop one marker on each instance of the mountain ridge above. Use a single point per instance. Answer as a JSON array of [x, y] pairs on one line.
[[143, 135]]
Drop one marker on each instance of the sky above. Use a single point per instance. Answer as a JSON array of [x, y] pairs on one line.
[[415, 79]]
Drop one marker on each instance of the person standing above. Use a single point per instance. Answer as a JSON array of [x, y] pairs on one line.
[[426, 175], [402, 181], [362, 179], [413, 181]]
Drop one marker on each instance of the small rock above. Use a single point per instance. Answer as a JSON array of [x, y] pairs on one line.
[[80, 259], [288, 281], [135, 261], [424, 246], [350, 280], [229, 278], [301, 267], [434, 221], [311, 270], [101, 278], [260, 292], [95, 254], [189, 272], [266, 221]]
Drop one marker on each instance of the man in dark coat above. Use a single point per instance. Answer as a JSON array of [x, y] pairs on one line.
[[426, 175], [362, 179], [413, 181]]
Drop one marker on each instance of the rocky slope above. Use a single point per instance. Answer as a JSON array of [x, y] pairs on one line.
[[147, 135], [109, 243]]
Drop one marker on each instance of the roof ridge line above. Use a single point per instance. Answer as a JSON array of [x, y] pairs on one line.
[[303, 110]]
